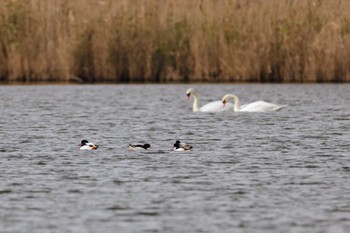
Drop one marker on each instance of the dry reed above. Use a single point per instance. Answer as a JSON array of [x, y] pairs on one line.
[[175, 41]]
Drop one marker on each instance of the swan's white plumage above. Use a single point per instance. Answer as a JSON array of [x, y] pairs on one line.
[[261, 106], [215, 106], [258, 106]]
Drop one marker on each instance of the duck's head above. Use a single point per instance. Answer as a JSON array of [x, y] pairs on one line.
[[84, 142], [177, 144], [146, 145]]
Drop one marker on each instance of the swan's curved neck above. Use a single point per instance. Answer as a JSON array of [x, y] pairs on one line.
[[195, 102], [236, 100]]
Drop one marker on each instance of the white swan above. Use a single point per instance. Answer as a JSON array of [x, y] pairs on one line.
[[215, 106], [258, 106]]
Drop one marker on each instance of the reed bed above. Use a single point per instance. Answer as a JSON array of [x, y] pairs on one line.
[[174, 41]]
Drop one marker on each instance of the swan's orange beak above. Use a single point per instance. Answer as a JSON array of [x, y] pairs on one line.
[[224, 103], [188, 96]]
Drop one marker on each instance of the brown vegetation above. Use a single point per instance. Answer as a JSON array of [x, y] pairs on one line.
[[175, 40]]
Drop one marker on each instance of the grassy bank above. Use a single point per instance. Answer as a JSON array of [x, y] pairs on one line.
[[175, 41]]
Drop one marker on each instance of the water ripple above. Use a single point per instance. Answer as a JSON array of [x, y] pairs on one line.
[[244, 172]]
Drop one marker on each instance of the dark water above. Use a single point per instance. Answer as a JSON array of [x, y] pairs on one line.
[[249, 172]]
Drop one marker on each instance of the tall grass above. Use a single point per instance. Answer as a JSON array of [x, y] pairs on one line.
[[175, 41]]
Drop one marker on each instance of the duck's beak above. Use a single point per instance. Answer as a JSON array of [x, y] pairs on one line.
[[188, 96], [224, 103]]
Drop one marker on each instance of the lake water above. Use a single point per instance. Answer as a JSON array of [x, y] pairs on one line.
[[287, 171]]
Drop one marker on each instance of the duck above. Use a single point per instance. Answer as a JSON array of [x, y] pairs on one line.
[[215, 106], [178, 146], [138, 147], [85, 145]]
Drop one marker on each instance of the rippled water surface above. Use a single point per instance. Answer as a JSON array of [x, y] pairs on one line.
[[248, 172]]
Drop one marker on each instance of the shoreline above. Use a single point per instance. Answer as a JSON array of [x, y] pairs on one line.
[[155, 83], [272, 41]]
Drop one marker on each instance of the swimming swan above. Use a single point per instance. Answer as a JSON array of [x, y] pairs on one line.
[[215, 106], [258, 106]]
